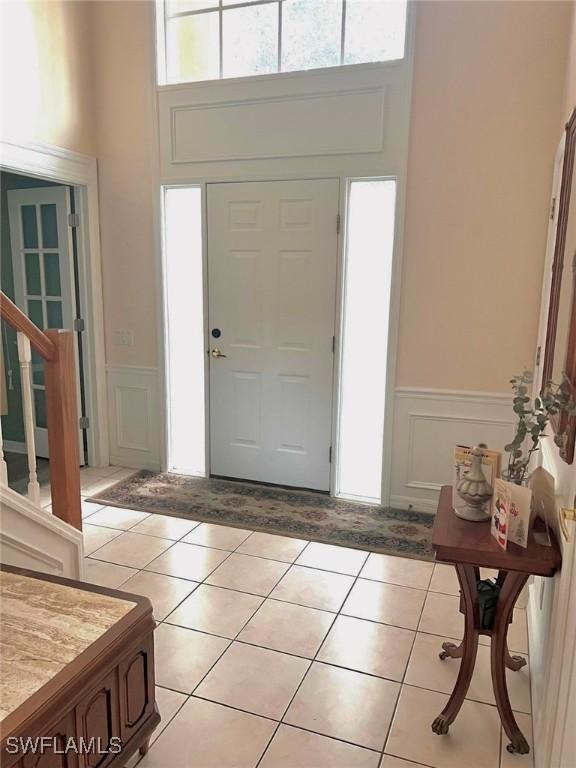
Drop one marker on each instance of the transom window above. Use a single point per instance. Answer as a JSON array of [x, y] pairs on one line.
[[212, 39]]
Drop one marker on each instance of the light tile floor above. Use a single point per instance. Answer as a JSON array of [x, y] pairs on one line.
[[280, 653]]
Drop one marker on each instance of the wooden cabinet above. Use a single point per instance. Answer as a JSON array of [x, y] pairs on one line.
[[98, 719], [57, 757], [136, 689], [100, 708]]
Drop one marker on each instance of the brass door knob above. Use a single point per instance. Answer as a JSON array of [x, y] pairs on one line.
[[216, 353]]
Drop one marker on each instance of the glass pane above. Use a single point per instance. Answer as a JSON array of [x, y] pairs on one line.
[[40, 407], [250, 40], [375, 30], [35, 313], [37, 369], [368, 269], [52, 274], [54, 314], [184, 310], [49, 226], [192, 48], [311, 34], [32, 264], [181, 6], [29, 226]]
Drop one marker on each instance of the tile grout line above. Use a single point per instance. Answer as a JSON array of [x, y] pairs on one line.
[[287, 708], [402, 683], [314, 659], [199, 582]]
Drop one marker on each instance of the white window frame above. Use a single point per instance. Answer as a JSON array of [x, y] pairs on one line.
[[220, 9]]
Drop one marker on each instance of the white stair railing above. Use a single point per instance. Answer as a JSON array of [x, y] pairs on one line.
[[25, 358]]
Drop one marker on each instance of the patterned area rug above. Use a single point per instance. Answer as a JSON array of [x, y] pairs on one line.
[[300, 514]]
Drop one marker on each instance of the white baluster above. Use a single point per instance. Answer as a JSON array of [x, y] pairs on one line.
[[3, 467], [25, 358]]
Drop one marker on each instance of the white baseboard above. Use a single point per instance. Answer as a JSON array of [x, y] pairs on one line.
[[134, 416], [428, 423], [14, 446]]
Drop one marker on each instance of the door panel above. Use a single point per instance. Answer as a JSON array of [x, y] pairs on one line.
[[42, 259], [272, 261]]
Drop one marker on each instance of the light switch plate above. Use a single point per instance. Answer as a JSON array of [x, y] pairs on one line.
[[123, 338]]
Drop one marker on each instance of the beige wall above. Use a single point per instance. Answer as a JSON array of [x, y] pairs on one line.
[[487, 102], [570, 90], [124, 101], [46, 75]]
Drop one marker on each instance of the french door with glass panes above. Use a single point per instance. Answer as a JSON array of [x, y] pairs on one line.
[[44, 284]]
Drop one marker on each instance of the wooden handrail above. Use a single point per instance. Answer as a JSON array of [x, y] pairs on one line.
[[57, 349], [18, 320], [62, 418]]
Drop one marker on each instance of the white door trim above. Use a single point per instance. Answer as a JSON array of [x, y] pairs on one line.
[[386, 164], [394, 310], [60, 197], [80, 171]]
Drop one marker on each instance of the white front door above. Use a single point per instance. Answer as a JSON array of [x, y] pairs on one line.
[[272, 256], [44, 284]]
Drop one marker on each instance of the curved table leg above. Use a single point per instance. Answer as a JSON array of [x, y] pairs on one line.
[[467, 650], [500, 659]]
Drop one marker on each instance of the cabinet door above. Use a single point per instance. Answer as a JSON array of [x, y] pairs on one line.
[[136, 688], [56, 756], [98, 719]]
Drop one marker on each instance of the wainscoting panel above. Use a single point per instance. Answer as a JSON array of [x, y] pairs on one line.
[[427, 426], [134, 416]]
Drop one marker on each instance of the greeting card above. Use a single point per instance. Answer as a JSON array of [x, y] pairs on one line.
[[501, 502]]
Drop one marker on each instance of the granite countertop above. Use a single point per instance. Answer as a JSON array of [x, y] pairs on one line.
[[43, 627]]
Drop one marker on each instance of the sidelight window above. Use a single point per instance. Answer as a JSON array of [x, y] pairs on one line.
[[365, 310]]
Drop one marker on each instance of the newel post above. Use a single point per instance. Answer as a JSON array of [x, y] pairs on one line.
[[62, 417]]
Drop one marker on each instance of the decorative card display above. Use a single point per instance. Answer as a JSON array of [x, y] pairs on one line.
[[501, 502], [519, 517], [462, 462]]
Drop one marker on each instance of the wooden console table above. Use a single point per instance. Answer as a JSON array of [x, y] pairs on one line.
[[77, 671], [469, 546]]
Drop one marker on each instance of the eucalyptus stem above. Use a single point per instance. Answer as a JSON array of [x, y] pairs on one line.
[[533, 418]]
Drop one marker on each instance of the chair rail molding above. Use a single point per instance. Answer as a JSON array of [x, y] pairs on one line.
[[134, 416], [428, 424]]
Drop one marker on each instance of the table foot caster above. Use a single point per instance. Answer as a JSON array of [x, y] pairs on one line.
[[450, 651], [441, 726], [515, 662], [518, 746]]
